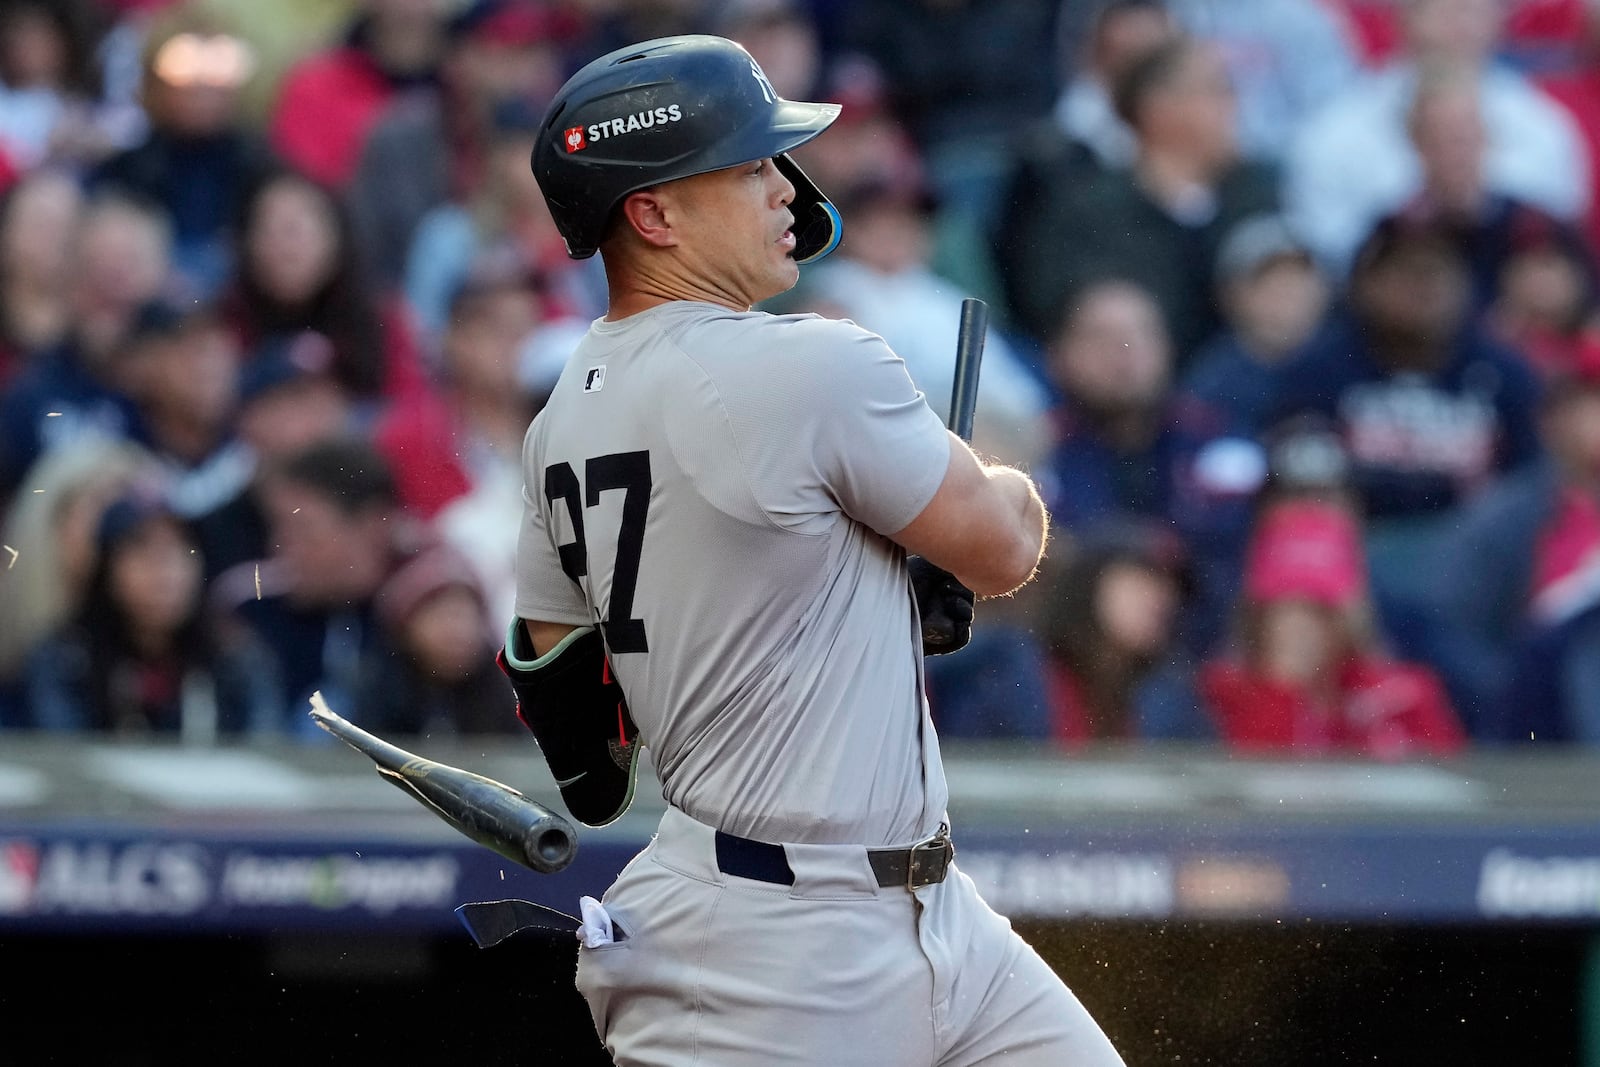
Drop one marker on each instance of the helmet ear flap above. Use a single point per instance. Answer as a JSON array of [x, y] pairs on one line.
[[818, 227]]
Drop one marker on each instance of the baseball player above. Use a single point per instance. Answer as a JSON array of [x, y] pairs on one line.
[[719, 504]]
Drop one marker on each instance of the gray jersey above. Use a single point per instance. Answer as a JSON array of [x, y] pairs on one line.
[[714, 487]]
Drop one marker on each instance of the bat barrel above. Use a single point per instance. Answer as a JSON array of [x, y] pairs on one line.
[[489, 812], [549, 846]]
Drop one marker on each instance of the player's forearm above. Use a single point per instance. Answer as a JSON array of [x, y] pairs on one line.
[[1016, 557], [985, 525], [1032, 522]]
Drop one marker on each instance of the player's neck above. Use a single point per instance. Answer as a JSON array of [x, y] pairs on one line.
[[633, 291]]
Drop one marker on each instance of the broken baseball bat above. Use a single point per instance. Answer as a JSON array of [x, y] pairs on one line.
[[489, 812]]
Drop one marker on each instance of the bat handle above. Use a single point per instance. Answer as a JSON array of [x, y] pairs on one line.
[[969, 359]]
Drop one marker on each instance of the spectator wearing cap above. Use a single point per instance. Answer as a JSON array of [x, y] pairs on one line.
[[1431, 409], [443, 443], [138, 657], [1116, 669], [442, 679], [1306, 677], [288, 399], [502, 62], [1159, 222], [1273, 297], [1352, 162], [119, 262], [290, 396], [1531, 545], [199, 159]]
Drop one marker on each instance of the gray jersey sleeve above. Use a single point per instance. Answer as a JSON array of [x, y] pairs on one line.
[[544, 591], [832, 422]]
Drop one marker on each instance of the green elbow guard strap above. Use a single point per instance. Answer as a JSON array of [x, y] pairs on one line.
[[575, 709]]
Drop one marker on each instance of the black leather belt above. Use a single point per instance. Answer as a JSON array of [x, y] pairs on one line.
[[924, 863]]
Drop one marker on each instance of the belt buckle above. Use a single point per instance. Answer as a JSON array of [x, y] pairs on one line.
[[929, 861]]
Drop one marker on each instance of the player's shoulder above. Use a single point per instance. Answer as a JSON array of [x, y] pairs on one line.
[[799, 328], [775, 350]]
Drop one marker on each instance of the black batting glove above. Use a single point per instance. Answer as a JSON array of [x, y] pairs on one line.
[[944, 605]]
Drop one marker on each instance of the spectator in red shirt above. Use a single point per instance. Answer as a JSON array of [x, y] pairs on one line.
[[505, 58], [1547, 297], [1578, 91], [329, 101], [456, 452], [1539, 34], [444, 444], [1307, 676]]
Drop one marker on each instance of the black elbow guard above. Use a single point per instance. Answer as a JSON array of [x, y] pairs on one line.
[[576, 711]]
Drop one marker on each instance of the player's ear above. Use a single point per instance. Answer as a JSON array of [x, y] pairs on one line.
[[645, 213]]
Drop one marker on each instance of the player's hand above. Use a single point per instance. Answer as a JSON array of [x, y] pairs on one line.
[[944, 605]]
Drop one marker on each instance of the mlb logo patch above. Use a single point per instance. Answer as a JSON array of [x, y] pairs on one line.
[[576, 139], [595, 379]]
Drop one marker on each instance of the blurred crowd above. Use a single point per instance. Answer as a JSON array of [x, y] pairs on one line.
[[1295, 318]]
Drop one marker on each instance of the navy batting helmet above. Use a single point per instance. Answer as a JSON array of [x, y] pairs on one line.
[[667, 109]]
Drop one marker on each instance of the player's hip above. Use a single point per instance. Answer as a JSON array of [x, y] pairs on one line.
[[713, 966]]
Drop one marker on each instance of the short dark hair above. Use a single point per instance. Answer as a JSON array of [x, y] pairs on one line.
[[1153, 70], [1404, 230], [1111, 9], [348, 471]]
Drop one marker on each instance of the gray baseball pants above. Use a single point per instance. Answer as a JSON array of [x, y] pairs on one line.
[[709, 969]]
